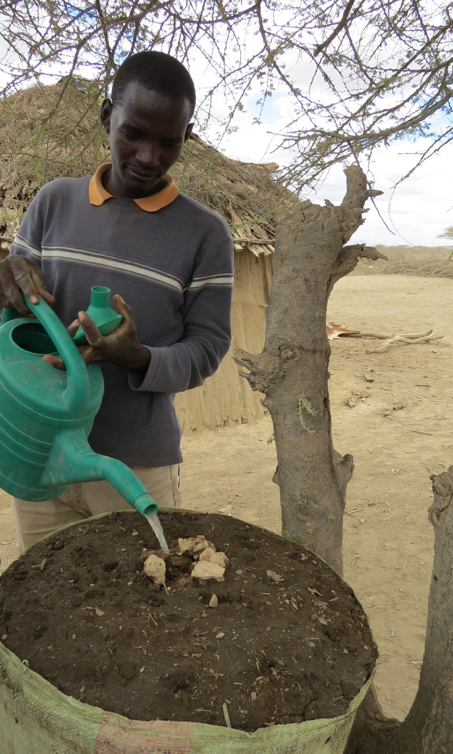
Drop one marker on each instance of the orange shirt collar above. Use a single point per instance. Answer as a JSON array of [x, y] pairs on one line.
[[98, 195]]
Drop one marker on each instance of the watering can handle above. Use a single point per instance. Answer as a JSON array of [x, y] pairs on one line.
[[77, 394]]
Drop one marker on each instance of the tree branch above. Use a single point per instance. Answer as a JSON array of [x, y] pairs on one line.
[[342, 24]]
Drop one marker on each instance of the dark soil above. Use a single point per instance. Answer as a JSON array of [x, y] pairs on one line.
[[78, 608]]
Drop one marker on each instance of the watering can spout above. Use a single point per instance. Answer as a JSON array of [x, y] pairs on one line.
[[71, 460]]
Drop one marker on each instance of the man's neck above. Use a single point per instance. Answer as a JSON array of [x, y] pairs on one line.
[[116, 188]]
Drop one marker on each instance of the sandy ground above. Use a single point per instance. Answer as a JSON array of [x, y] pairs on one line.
[[399, 432]]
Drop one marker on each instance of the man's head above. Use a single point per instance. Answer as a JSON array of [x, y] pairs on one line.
[[148, 119]]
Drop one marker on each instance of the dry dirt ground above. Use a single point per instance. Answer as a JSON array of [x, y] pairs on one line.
[[399, 432]]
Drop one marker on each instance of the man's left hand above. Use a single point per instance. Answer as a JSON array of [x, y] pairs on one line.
[[121, 347]]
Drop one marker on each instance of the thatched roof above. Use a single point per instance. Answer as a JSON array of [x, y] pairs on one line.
[[40, 141]]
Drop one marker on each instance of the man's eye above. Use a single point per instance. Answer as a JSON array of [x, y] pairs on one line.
[[133, 135], [170, 144]]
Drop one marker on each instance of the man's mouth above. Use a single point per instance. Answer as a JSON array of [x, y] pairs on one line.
[[143, 175]]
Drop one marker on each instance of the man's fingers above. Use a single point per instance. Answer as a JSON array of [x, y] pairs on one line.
[[25, 275], [12, 294], [73, 327], [55, 362], [92, 333], [87, 353], [38, 281], [18, 274], [46, 296], [122, 308]]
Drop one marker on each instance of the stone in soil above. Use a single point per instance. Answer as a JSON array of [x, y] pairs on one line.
[[275, 650]]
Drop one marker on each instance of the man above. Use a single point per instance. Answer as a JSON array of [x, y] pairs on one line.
[[130, 229]]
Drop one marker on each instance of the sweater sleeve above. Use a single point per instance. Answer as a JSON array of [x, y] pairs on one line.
[[28, 239], [207, 323]]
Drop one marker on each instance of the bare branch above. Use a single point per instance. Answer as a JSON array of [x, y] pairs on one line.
[[342, 25]]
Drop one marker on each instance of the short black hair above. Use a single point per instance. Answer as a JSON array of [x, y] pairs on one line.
[[157, 72]]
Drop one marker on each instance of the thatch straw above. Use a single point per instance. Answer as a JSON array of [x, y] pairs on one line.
[[43, 138]]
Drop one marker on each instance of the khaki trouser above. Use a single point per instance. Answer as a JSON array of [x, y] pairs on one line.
[[35, 520]]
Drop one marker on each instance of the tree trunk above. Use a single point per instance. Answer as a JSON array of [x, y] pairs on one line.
[[292, 369]]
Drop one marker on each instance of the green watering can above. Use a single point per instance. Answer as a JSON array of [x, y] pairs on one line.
[[46, 414]]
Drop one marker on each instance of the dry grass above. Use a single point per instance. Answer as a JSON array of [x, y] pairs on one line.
[[39, 143], [244, 193], [423, 261]]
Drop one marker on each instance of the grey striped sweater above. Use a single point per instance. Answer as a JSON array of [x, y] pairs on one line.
[[174, 267]]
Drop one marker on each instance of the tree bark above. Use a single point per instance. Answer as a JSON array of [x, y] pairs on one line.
[[292, 370]]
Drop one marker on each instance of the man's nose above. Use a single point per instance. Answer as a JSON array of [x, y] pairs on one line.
[[148, 155]]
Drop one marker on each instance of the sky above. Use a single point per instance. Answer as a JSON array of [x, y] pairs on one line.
[[413, 214]]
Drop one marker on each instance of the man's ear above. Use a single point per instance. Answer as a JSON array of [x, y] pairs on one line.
[[189, 130], [106, 112]]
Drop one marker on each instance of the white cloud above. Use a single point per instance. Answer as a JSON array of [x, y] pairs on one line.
[[416, 212]]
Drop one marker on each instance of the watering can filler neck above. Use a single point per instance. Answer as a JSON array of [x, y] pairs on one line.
[[103, 315], [46, 414]]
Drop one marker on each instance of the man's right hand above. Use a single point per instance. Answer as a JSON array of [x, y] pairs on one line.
[[19, 274]]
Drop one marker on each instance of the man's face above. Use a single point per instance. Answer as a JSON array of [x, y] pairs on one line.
[[147, 133]]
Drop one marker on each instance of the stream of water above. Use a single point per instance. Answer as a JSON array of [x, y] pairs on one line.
[[158, 531]]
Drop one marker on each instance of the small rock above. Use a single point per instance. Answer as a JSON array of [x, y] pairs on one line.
[[193, 545], [41, 565], [226, 509], [206, 570], [99, 613], [214, 601], [74, 636], [239, 572], [4, 637], [361, 520], [275, 576], [369, 376], [210, 556], [311, 644], [220, 635], [253, 696], [154, 568]]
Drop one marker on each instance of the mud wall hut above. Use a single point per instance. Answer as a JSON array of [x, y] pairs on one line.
[[54, 131]]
